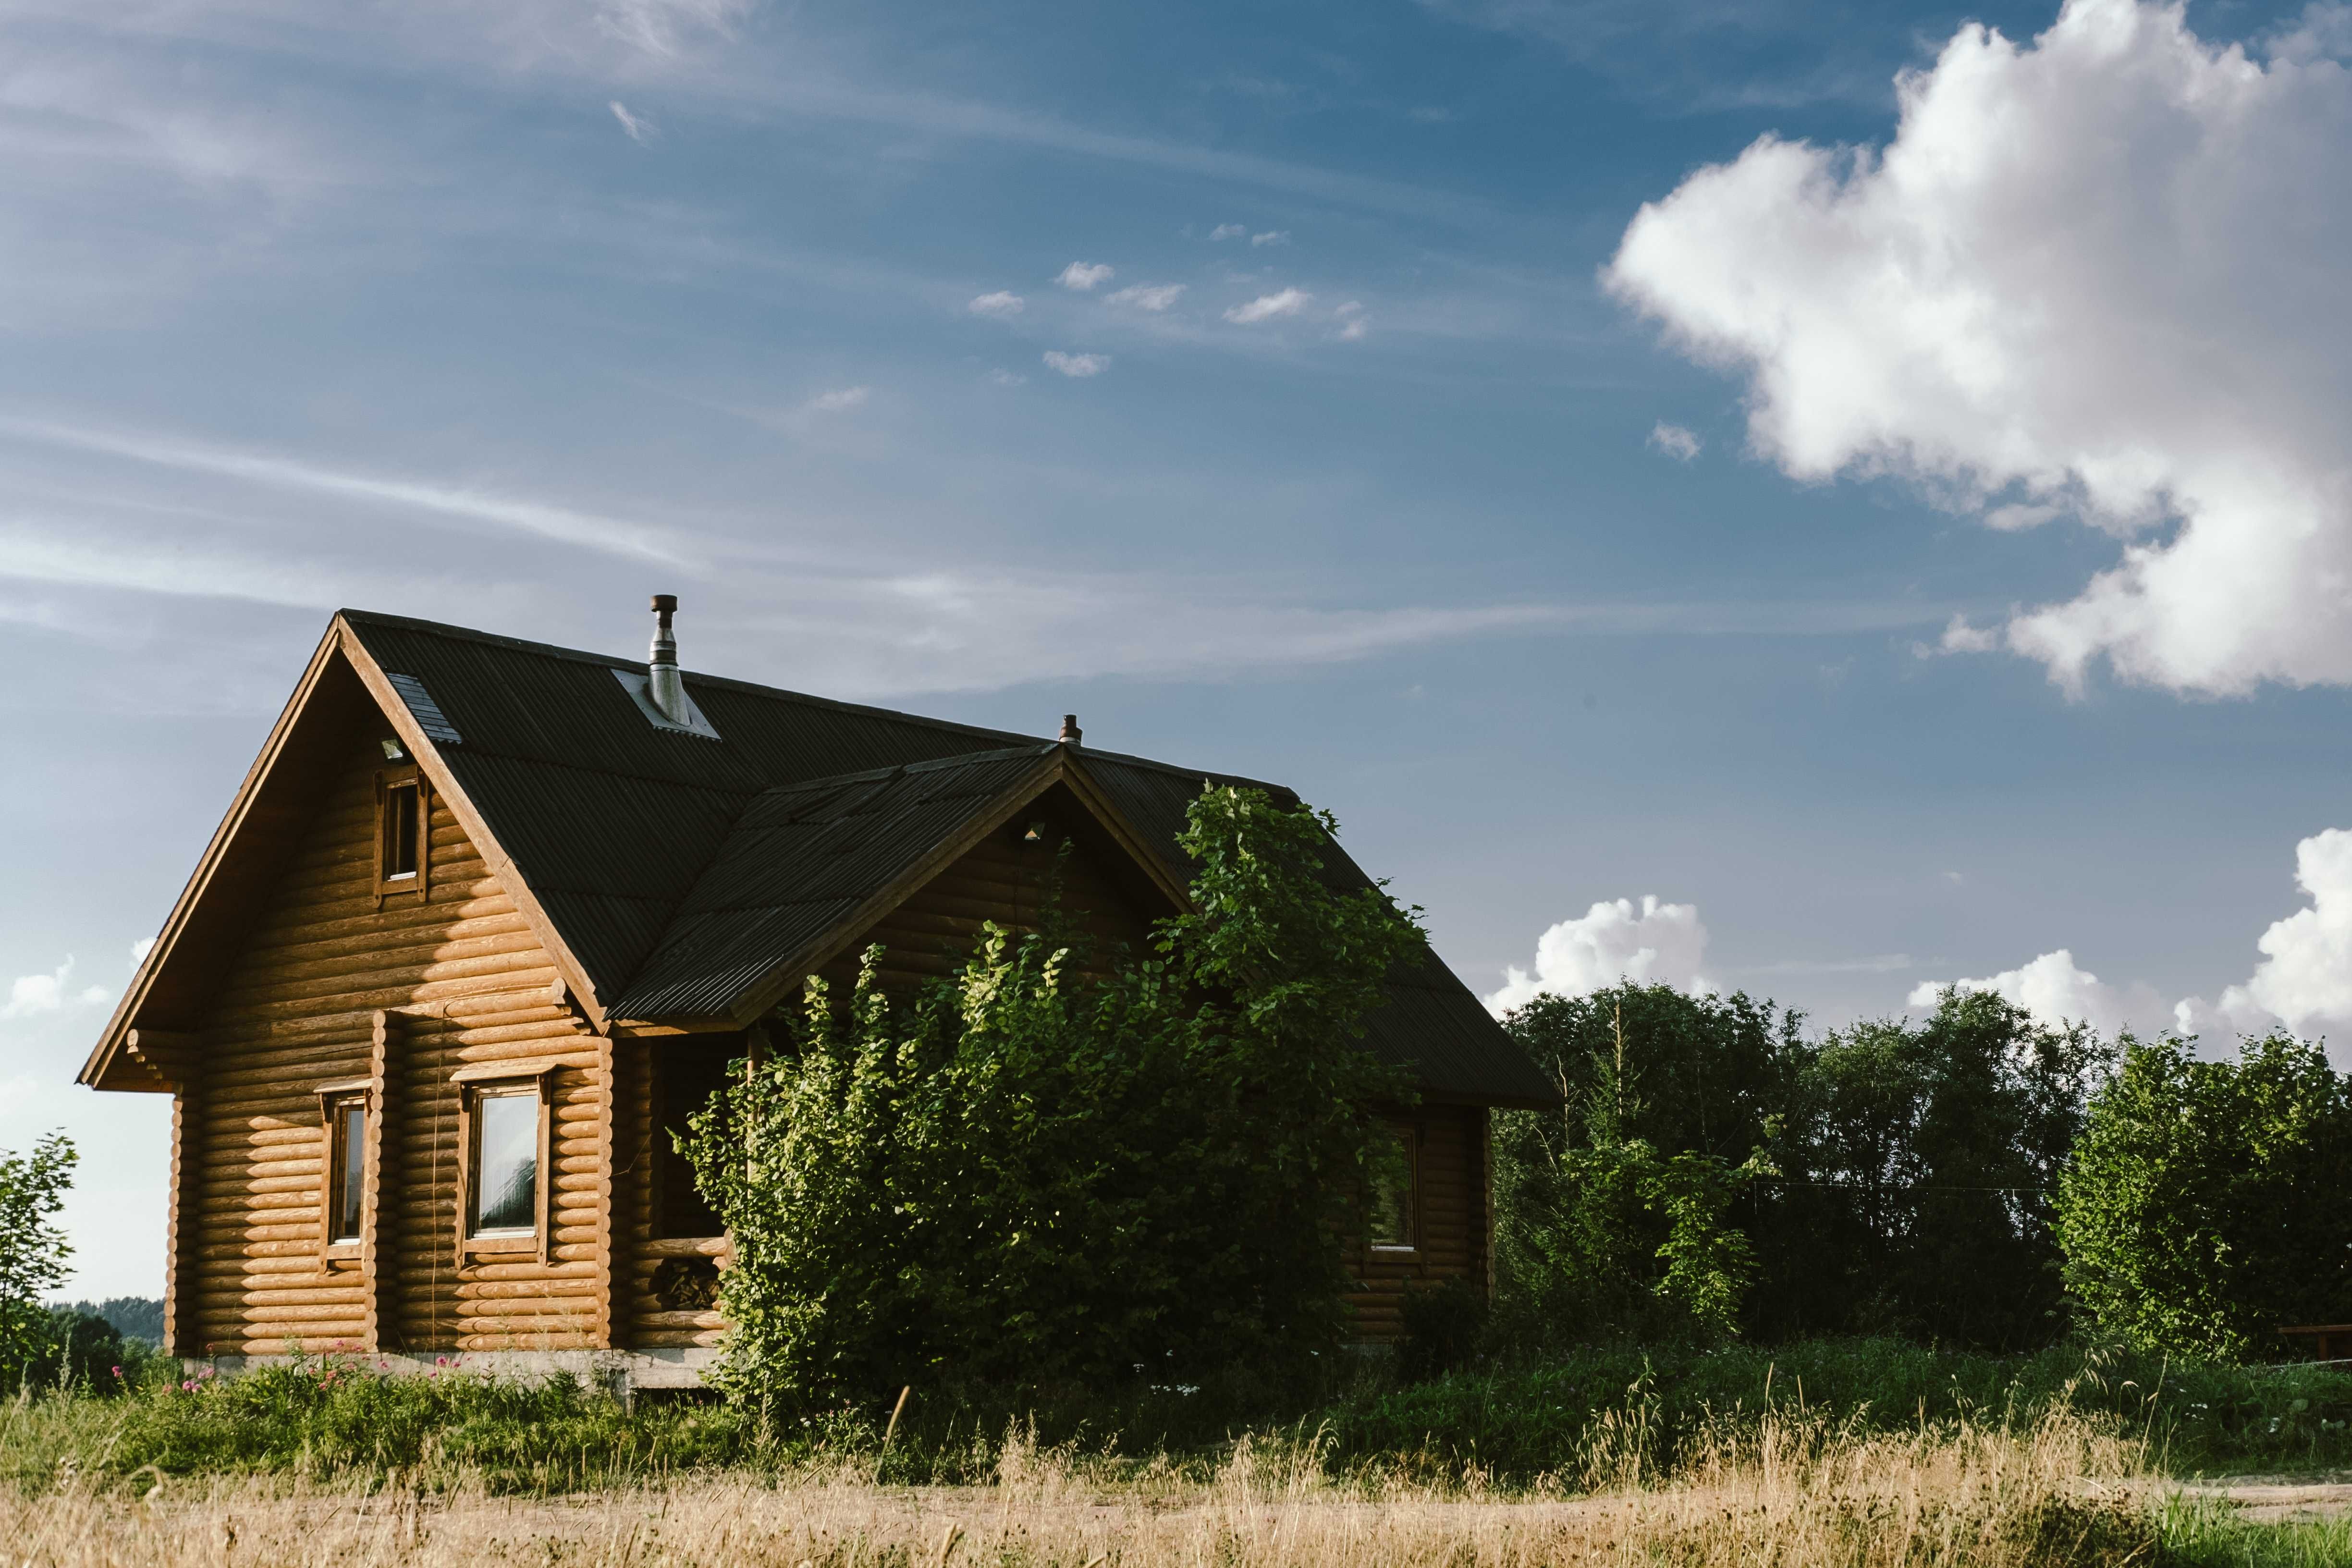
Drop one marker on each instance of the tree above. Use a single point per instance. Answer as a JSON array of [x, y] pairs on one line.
[[1603, 1232], [33, 1250], [1931, 1155], [1022, 1176], [2205, 1203]]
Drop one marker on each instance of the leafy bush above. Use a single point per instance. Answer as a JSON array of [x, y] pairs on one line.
[[2205, 1203], [1025, 1178], [33, 1253], [1714, 1166], [1444, 1326]]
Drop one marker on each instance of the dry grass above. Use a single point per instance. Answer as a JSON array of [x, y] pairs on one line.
[[1791, 1492]]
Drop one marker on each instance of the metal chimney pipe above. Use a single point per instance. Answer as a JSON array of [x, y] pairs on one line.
[[1071, 734], [662, 681]]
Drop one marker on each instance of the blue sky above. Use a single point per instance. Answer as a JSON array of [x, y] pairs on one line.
[[1561, 585]]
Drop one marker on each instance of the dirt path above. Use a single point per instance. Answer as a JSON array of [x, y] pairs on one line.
[[2271, 1499]]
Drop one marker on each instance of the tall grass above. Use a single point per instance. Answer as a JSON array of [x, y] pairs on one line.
[[1543, 1421], [1788, 1491]]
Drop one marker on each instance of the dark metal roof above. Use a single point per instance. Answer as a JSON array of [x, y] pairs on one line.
[[800, 861], [681, 872]]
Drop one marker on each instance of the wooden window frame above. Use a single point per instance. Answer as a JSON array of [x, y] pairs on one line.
[[336, 1158], [505, 1079], [419, 881], [1409, 1135]]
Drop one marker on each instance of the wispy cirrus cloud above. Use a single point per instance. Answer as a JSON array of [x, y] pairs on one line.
[[606, 535], [1270, 307], [1153, 297]]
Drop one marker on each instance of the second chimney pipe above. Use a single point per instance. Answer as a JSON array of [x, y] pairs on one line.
[[662, 680]]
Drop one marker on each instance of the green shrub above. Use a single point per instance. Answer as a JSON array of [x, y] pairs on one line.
[[2204, 1206], [33, 1253], [1025, 1179]]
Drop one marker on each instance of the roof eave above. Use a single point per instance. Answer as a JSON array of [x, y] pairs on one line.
[[97, 1070]]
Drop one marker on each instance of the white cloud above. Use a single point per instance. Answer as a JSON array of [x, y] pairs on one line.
[[1083, 275], [2304, 979], [1674, 441], [1227, 231], [140, 950], [1353, 322], [1077, 367], [1267, 306], [2057, 990], [1001, 304], [1656, 944], [640, 131], [1003, 377], [838, 399], [2098, 271], [1271, 236], [1149, 296], [611, 535], [50, 993]]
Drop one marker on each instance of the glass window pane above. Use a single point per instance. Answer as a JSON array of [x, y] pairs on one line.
[[350, 1167], [506, 1163], [400, 831], [1388, 1221]]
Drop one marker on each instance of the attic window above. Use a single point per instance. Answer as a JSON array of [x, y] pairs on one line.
[[399, 831], [403, 829]]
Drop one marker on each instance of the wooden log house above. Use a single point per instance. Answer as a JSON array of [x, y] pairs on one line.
[[488, 919]]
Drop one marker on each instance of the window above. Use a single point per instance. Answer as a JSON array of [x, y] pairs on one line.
[[506, 1160], [400, 835], [344, 1171], [686, 1072], [346, 1168], [1393, 1204]]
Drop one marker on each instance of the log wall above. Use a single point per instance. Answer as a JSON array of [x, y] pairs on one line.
[[1451, 1227], [458, 980]]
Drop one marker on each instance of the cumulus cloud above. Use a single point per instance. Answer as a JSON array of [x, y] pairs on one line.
[[838, 399], [2095, 272], [50, 993], [1271, 236], [640, 131], [2057, 990], [1149, 296], [1083, 275], [141, 949], [1674, 441], [1077, 367], [1228, 231], [1653, 943], [1267, 306], [2304, 978], [1001, 304]]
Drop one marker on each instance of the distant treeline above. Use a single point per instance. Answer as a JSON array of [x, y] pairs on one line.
[[1971, 1178], [132, 1317]]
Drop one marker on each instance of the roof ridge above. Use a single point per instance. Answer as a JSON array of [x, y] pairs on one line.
[[610, 661]]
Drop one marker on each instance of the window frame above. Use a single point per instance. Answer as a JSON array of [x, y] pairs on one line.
[[492, 1080], [388, 782], [1408, 1138], [335, 1163]]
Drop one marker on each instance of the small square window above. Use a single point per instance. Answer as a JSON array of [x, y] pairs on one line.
[[505, 1158], [1392, 1205], [346, 1169]]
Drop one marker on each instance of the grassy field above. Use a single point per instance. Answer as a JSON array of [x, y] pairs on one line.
[[1861, 1453]]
